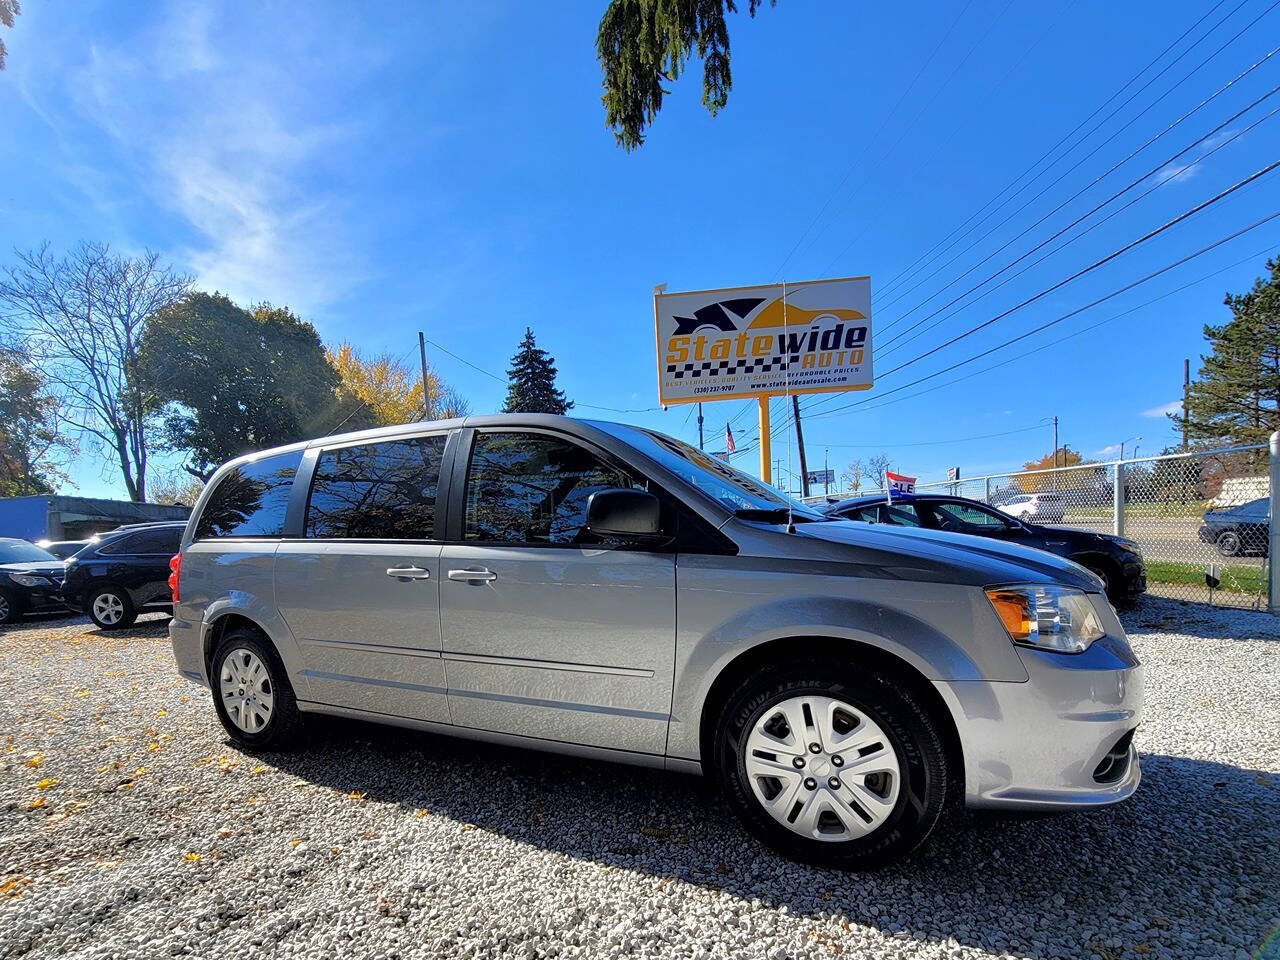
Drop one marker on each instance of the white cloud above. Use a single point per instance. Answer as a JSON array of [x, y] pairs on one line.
[[1185, 168], [1109, 450], [228, 146], [1173, 406]]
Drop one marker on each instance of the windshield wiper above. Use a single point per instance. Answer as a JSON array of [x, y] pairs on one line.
[[772, 515]]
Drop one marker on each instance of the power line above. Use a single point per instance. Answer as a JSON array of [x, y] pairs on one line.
[[941, 245], [1075, 333], [1198, 208], [1044, 326], [493, 376], [1173, 174], [1086, 157]]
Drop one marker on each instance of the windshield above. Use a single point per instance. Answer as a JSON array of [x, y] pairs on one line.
[[19, 551], [727, 485]]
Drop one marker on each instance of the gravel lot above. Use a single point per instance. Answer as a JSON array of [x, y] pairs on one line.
[[129, 827]]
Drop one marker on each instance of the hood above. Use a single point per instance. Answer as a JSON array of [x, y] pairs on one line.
[[35, 566], [951, 557]]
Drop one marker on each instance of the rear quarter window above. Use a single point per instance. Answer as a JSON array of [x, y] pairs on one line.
[[250, 500]]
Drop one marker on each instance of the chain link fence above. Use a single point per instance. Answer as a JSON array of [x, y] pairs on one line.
[[1201, 520]]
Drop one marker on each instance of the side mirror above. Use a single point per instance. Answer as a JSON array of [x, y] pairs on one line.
[[624, 515]]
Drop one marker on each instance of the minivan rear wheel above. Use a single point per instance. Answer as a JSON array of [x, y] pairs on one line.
[[251, 692], [832, 765]]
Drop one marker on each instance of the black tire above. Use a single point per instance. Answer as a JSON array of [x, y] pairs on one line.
[[1229, 544], [102, 594], [11, 608], [912, 732], [285, 722], [1109, 574]]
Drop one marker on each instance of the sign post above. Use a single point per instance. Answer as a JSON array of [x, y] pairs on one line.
[[767, 341]]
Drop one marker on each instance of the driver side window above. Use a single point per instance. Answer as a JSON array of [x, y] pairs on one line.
[[532, 488], [959, 516]]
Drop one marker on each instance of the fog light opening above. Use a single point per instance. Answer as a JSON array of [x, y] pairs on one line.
[[1115, 764]]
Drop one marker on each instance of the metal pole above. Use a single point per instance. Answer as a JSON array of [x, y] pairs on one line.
[[1273, 545], [1055, 454], [986, 497], [766, 453], [426, 395], [699, 425], [826, 471], [1186, 390], [804, 467], [1117, 491]]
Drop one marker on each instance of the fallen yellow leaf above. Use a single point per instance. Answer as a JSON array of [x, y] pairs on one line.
[[140, 771], [153, 748], [295, 841], [356, 795], [420, 813], [36, 804], [82, 693], [191, 857], [34, 760], [46, 783], [258, 769], [162, 713]]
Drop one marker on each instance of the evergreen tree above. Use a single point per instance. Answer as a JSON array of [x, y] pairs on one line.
[[1236, 397], [531, 381]]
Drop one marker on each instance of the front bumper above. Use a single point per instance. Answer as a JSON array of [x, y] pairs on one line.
[[1059, 741]]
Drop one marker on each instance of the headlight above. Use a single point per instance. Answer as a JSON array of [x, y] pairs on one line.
[[1054, 618], [27, 580]]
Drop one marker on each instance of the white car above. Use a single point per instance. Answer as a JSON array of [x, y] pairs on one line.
[[1036, 507]]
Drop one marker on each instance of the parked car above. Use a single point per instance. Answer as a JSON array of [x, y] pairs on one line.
[[606, 591], [1239, 530], [30, 579], [1036, 507], [1117, 562], [123, 574], [65, 549]]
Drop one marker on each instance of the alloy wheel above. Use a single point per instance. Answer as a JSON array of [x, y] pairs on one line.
[[4, 609], [822, 768], [245, 685], [108, 609]]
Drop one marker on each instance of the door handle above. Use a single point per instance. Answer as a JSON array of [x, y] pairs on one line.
[[473, 576], [408, 573]]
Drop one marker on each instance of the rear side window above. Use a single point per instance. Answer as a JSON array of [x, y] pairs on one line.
[[119, 546], [250, 500], [377, 491], [162, 541]]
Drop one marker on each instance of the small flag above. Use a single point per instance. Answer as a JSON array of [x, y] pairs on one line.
[[729, 445], [897, 483]]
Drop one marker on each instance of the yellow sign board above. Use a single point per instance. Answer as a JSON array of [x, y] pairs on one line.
[[742, 342]]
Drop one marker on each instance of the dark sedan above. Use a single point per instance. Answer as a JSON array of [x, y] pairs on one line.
[[1117, 561], [124, 574], [30, 579], [1239, 530]]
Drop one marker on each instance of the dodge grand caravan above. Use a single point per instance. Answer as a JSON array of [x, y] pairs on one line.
[[606, 591]]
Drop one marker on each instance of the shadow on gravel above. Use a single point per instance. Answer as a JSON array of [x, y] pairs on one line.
[[1192, 854], [1161, 615]]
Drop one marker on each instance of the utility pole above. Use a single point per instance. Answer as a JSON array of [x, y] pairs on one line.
[[826, 471], [804, 470], [699, 424], [426, 397], [777, 470], [1055, 453], [1186, 391]]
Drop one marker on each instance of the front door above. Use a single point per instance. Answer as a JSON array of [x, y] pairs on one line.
[[546, 632], [361, 590]]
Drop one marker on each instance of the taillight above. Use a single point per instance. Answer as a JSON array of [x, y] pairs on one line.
[[175, 564]]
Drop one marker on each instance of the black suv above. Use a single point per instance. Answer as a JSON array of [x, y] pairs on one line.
[[1117, 561], [123, 574]]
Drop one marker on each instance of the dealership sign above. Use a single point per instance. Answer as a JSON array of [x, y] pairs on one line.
[[764, 341]]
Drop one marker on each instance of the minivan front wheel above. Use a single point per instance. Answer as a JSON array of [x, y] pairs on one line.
[[832, 765], [251, 692]]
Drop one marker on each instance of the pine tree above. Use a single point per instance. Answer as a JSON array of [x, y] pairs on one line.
[[531, 386], [1236, 397]]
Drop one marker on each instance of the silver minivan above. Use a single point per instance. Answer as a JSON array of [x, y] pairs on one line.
[[607, 591]]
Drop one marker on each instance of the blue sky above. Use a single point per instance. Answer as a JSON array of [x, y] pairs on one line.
[[387, 168]]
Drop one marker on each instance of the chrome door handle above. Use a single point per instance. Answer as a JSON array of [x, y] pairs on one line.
[[408, 573], [473, 576]]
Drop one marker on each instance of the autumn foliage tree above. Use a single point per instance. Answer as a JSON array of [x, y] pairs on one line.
[[381, 390], [1062, 457]]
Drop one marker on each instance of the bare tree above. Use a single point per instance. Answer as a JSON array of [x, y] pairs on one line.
[[82, 316], [877, 467], [853, 474]]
